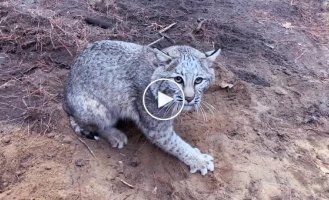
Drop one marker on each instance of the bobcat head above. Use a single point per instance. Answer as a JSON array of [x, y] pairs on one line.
[[188, 67]]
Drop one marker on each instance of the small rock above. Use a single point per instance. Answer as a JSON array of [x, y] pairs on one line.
[[47, 167], [280, 91], [51, 135], [286, 25], [323, 158], [154, 191], [280, 134], [67, 140], [50, 155], [312, 119], [224, 84], [5, 184], [80, 162], [120, 167], [19, 173], [6, 140], [134, 162]]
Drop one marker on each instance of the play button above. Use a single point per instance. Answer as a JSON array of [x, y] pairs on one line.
[[163, 99]]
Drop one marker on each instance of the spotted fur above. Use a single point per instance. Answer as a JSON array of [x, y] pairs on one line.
[[107, 82]]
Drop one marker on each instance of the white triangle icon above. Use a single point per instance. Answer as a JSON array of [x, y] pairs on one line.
[[163, 99]]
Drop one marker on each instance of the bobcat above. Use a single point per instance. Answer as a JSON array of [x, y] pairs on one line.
[[107, 82]]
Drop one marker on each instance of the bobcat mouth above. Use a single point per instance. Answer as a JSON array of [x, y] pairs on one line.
[[188, 107]]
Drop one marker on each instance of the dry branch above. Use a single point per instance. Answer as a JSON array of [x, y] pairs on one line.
[[127, 184], [156, 41], [167, 28], [163, 35], [198, 28]]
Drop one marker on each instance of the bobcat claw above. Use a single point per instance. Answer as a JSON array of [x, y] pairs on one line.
[[201, 162]]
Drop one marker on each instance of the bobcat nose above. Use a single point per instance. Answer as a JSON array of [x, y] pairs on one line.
[[189, 99]]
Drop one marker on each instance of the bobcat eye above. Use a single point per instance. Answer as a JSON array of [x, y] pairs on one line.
[[198, 80], [178, 79]]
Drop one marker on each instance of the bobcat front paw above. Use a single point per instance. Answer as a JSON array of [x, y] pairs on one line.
[[201, 162]]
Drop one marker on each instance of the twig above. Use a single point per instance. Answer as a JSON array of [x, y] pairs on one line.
[[28, 128], [161, 32], [83, 142], [127, 184], [200, 25], [167, 28], [50, 36], [156, 41], [300, 55], [167, 37]]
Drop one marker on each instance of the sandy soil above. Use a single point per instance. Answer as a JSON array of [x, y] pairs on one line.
[[269, 133]]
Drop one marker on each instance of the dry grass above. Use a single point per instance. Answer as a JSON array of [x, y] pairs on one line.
[[47, 42], [41, 43], [33, 39]]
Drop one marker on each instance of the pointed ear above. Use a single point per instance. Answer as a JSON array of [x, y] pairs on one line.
[[163, 57], [212, 55]]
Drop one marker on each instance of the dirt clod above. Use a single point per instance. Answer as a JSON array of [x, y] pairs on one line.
[[134, 162], [80, 163], [6, 140], [48, 167], [51, 135], [67, 140]]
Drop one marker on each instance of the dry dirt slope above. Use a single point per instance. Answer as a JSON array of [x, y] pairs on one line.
[[269, 133]]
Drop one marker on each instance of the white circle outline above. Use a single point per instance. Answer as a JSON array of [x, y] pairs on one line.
[[148, 112]]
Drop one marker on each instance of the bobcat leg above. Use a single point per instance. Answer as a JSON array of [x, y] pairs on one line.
[[170, 142]]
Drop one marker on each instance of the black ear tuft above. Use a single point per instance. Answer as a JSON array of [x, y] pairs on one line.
[[212, 55]]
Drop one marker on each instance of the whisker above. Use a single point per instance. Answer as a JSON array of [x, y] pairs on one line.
[[166, 106], [213, 107], [174, 109], [209, 108], [172, 104], [203, 113]]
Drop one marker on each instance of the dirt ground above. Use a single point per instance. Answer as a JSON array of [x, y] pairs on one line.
[[269, 133]]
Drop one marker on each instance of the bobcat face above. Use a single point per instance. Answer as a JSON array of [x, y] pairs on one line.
[[188, 67]]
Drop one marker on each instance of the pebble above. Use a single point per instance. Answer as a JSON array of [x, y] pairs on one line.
[[323, 158], [51, 135], [19, 173], [47, 167], [280, 91], [134, 162], [120, 167], [6, 140], [67, 140], [80, 162]]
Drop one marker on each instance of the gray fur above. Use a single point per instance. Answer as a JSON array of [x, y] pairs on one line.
[[107, 82]]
